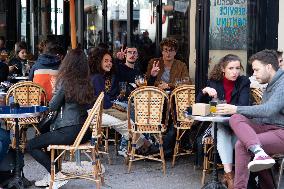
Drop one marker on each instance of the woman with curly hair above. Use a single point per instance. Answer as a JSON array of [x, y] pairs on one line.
[[73, 95], [226, 83], [101, 67]]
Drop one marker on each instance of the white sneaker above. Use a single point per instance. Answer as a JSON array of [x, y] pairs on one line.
[[58, 184], [122, 152], [44, 181]]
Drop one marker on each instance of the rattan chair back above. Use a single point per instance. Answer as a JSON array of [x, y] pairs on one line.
[[256, 96], [149, 103], [181, 98], [27, 93]]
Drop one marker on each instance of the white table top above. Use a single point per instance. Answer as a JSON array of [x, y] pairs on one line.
[[216, 118]]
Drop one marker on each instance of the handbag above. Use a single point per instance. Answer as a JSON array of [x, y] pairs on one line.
[[44, 124]]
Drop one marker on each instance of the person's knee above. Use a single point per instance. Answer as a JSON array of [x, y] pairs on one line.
[[236, 119]]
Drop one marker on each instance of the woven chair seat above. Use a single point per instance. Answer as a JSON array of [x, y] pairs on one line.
[[84, 146]]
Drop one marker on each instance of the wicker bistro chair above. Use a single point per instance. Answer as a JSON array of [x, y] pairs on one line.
[[149, 105], [181, 98], [26, 93], [92, 122]]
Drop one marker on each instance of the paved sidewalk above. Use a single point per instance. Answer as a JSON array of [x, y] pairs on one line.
[[144, 174]]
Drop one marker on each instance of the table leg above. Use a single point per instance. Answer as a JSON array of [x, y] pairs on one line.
[[214, 182], [17, 179]]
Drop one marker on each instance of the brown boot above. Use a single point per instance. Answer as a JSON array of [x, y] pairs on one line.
[[228, 180]]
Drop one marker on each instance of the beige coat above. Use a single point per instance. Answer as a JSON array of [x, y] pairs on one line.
[[178, 70]]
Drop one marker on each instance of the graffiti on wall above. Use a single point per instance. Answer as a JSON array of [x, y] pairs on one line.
[[228, 24]]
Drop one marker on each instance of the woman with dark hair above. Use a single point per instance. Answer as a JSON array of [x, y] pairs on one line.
[[73, 95], [226, 83], [17, 64], [100, 62]]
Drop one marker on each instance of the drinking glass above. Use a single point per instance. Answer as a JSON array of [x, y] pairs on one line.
[[122, 88], [213, 103], [140, 80]]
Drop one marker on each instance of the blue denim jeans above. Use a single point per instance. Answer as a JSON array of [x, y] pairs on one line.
[[4, 143], [226, 140]]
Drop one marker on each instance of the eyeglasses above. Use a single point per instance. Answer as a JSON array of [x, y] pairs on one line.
[[169, 50], [132, 52]]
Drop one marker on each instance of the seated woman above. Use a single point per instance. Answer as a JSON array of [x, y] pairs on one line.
[[18, 63], [163, 72], [226, 83], [73, 95]]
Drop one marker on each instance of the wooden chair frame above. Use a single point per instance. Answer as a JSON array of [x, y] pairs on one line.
[[92, 122], [149, 104], [181, 98], [26, 93]]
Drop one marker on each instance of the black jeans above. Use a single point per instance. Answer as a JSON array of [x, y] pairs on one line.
[[65, 135]]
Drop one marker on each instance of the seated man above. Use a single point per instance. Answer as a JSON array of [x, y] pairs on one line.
[[163, 72], [264, 133], [45, 69]]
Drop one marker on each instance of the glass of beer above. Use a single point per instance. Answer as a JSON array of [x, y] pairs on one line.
[[213, 103], [122, 88], [140, 80]]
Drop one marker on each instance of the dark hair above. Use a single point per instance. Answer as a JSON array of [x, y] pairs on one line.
[[170, 42], [20, 46], [41, 46], [74, 76], [95, 60], [279, 54], [266, 57], [51, 46], [217, 73]]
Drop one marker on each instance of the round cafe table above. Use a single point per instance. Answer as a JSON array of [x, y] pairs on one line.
[[16, 113], [214, 181]]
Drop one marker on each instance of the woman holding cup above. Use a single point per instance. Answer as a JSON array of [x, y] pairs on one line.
[[226, 85]]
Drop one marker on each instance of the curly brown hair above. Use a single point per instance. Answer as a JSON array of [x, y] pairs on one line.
[[95, 60], [74, 76], [170, 42], [217, 73]]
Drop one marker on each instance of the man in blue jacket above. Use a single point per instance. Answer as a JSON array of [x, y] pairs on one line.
[[45, 70]]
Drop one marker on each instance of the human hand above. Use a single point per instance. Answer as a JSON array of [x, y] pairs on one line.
[[155, 69], [12, 68], [210, 91], [163, 85], [121, 54], [226, 109]]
